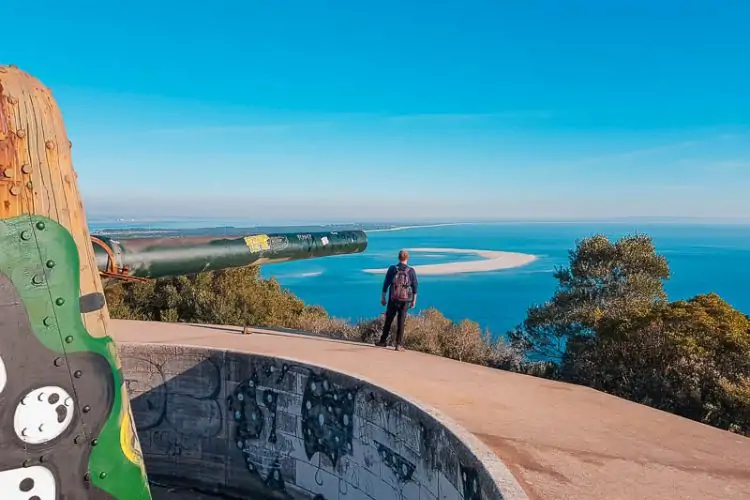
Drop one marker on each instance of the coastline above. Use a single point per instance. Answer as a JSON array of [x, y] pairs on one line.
[[421, 226], [492, 260]]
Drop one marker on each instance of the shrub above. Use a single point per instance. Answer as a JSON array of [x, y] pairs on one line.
[[241, 297]]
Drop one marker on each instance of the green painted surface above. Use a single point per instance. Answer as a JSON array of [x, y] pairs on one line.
[[158, 257], [41, 259]]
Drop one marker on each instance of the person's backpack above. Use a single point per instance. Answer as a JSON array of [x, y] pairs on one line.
[[401, 286]]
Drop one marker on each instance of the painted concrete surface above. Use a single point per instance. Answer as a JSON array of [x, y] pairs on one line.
[[171, 493], [560, 441], [251, 425], [66, 429]]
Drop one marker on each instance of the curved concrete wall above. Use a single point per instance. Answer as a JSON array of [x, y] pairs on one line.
[[244, 424]]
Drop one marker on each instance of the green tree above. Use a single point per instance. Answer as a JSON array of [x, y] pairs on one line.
[[605, 282], [689, 357], [609, 326]]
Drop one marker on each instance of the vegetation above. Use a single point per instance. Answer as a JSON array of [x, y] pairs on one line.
[[241, 297], [609, 326]]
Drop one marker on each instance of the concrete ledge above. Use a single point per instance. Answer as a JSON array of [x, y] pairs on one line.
[[246, 424]]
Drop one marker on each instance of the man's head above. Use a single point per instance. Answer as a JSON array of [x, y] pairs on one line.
[[403, 256]]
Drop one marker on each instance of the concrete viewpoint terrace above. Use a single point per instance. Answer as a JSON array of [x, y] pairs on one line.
[[560, 441]]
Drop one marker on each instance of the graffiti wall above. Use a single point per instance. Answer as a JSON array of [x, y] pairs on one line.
[[259, 427]]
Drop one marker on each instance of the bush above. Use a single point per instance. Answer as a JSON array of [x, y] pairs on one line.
[[228, 297], [690, 357], [241, 297]]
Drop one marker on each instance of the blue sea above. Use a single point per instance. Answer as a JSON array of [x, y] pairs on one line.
[[702, 259]]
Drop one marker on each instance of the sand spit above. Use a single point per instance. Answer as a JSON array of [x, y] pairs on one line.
[[492, 260], [421, 226]]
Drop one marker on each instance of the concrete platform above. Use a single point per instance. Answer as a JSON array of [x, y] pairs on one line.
[[560, 441]]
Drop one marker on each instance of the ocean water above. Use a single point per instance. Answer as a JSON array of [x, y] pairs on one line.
[[702, 259]]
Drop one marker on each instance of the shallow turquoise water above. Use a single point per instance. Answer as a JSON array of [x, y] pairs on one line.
[[702, 259]]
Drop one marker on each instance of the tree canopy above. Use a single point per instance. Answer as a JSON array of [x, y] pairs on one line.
[[605, 282], [609, 326]]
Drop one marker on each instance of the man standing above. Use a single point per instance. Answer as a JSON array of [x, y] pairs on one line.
[[401, 282]]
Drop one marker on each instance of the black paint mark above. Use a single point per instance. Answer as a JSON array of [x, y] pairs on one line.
[[401, 467], [245, 409], [62, 413], [34, 365], [327, 418], [274, 481], [26, 485], [470, 480], [269, 399], [243, 405], [91, 302], [282, 373]]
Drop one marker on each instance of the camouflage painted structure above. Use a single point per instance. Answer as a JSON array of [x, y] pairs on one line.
[[67, 428]]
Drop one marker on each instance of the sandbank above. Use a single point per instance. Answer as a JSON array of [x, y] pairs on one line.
[[492, 260]]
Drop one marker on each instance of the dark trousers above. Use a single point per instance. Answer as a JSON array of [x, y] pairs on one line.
[[395, 309]]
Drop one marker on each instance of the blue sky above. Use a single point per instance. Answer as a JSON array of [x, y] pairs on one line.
[[339, 110]]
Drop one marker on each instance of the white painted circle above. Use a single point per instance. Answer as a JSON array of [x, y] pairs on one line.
[[43, 414], [28, 482], [3, 374]]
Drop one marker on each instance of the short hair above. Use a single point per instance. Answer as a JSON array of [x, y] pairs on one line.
[[403, 255]]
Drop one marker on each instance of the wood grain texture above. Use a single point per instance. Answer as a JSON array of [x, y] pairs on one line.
[[37, 175]]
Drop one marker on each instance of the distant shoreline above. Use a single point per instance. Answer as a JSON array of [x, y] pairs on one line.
[[493, 260], [401, 228]]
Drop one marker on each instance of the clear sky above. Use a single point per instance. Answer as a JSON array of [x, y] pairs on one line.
[[410, 109]]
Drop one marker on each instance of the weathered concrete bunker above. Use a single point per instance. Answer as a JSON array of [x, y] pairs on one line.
[[251, 426]]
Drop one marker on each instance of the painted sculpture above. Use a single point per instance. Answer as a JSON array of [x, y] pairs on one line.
[[67, 428]]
